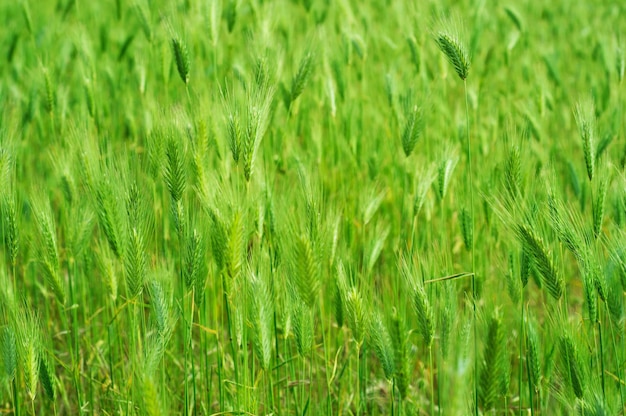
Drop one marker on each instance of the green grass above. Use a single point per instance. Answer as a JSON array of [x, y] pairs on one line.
[[312, 208]]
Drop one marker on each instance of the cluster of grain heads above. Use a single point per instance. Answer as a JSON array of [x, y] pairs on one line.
[[495, 367], [247, 116], [48, 253], [585, 114]]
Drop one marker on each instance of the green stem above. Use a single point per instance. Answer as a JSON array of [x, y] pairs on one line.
[[16, 396], [521, 347], [599, 323], [471, 190], [432, 381], [619, 367], [358, 379]]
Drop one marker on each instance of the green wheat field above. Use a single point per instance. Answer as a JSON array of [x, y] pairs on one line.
[[312, 207]]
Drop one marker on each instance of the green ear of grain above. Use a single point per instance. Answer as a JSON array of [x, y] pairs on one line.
[[513, 283], [513, 172], [48, 253], [455, 52], [383, 346], [219, 239], [144, 20], [151, 399], [421, 303], [542, 259], [444, 172], [50, 92], [466, 228], [586, 120], [412, 129], [230, 14], [46, 377], [306, 270], [401, 347], [495, 368], [135, 263], [234, 249], [29, 350], [615, 299], [195, 266], [106, 266], [300, 79], [357, 314], [572, 365], [262, 318], [303, 327], [8, 343], [258, 115], [162, 311], [11, 228], [598, 206], [515, 17], [181, 56], [447, 314], [620, 63], [415, 52], [112, 222], [533, 356], [175, 174]]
